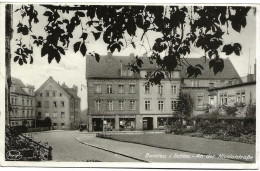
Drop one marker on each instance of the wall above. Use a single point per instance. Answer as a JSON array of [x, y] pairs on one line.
[[51, 109]]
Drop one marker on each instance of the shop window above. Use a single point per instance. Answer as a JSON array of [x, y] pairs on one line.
[[127, 123], [162, 122], [109, 124]]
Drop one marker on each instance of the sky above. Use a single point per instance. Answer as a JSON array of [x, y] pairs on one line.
[[72, 66]]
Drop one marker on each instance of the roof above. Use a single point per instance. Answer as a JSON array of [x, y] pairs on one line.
[[231, 86], [19, 85], [109, 67], [63, 88]]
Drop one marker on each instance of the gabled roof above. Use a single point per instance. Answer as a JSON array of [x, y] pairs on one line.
[[19, 85], [63, 89], [109, 67]]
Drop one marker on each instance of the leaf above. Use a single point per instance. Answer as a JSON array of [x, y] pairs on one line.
[[228, 49], [97, 57], [76, 46], [237, 48], [84, 36], [79, 13], [96, 35], [45, 49], [133, 44], [48, 13], [61, 50], [83, 49], [33, 36], [20, 61], [199, 66], [211, 63], [139, 62], [16, 58], [130, 26], [31, 59]]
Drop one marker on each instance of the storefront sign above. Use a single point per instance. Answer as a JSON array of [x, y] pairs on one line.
[[101, 116], [126, 116]]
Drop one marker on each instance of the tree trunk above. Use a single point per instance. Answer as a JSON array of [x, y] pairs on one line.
[[8, 37]]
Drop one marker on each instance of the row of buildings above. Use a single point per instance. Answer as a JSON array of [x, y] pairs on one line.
[[119, 99], [58, 102]]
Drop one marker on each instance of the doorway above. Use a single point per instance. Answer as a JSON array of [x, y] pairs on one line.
[[97, 124], [148, 123]]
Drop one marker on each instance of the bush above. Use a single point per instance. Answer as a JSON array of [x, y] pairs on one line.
[[231, 111]]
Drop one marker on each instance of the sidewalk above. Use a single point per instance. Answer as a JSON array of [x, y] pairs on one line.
[[224, 149], [148, 154]]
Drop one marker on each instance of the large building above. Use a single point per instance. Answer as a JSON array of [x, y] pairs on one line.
[[118, 100], [113, 94], [198, 87], [58, 102], [23, 104]]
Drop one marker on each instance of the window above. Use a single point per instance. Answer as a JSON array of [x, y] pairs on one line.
[[46, 104], [130, 73], [12, 101], [62, 104], [53, 94], [160, 105], [60, 95], [109, 89], [238, 97], [31, 103], [55, 115], [47, 115], [54, 124], [132, 104], [243, 97], [97, 104], [195, 83], [120, 105], [62, 124], [32, 113], [132, 89], [15, 101], [147, 89], [39, 114], [23, 102], [40, 94], [62, 114], [23, 114], [28, 113], [47, 94], [223, 99], [39, 104], [147, 105], [54, 104], [121, 89], [160, 89], [109, 105], [173, 89], [98, 88], [28, 102], [172, 105]]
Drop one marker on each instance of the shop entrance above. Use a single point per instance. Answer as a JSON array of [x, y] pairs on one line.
[[97, 124], [148, 123]]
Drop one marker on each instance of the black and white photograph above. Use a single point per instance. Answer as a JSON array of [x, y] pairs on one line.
[[130, 85]]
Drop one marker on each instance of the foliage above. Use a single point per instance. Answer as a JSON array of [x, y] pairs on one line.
[[184, 105], [251, 108], [239, 104], [231, 110], [181, 28]]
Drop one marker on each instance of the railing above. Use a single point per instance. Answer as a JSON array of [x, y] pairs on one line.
[[46, 151]]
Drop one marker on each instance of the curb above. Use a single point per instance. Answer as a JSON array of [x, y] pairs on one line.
[[82, 142]]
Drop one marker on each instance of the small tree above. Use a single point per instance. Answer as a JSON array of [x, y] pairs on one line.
[[251, 108], [184, 106]]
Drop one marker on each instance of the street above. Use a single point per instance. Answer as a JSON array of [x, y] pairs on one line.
[[82, 147]]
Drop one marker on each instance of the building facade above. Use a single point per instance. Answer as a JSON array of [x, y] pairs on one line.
[[22, 100], [58, 102], [198, 87], [113, 94], [239, 95]]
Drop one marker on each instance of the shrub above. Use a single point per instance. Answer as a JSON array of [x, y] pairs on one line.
[[231, 111]]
